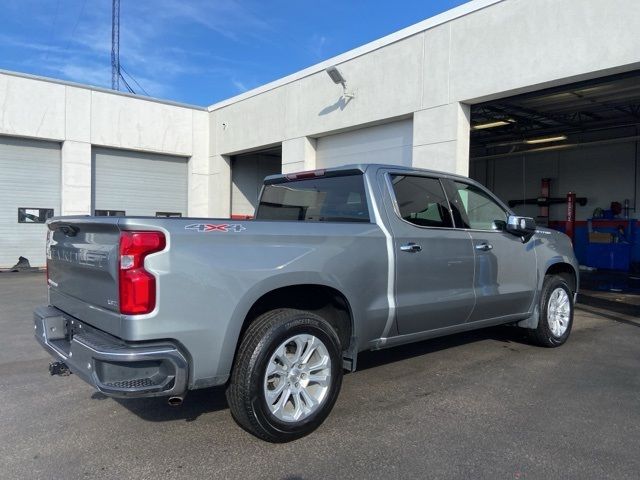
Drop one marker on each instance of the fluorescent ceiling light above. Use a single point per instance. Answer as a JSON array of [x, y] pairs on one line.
[[555, 138], [492, 124]]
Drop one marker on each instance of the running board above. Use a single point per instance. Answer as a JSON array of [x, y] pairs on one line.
[[380, 343]]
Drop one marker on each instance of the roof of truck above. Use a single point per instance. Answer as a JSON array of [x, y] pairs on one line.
[[363, 167]]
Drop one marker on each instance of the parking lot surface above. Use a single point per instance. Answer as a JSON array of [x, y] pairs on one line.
[[478, 405]]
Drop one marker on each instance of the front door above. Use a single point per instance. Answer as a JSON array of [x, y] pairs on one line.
[[434, 261], [506, 270]]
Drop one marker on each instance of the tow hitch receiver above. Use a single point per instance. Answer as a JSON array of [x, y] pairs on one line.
[[59, 368]]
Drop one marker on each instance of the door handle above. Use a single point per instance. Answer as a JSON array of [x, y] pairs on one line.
[[411, 247], [485, 247]]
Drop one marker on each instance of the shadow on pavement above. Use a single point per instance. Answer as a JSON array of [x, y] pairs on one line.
[[196, 403], [505, 334]]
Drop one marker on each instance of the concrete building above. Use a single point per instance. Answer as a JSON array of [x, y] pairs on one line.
[[507, 91]]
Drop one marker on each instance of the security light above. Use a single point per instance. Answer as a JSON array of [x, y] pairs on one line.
[[336, 76], [338, 79]]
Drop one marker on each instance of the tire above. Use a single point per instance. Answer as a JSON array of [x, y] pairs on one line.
[[302, 354], [556, 313]]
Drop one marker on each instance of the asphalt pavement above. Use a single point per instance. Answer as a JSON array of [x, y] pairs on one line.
[[484, 404]]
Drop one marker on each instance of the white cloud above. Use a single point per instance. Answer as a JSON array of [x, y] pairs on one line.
[[239, 85], [148, 33], [316, 46], [229, 18], [92, 74]]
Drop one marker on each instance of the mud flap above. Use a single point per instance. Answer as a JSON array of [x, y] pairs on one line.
[[532, 321]]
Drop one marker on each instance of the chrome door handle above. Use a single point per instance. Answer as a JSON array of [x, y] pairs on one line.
[[485, 247], [411, 247]]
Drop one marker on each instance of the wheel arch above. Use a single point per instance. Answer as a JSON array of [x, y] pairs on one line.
[[301, 293], [327, 301], [565, 270]]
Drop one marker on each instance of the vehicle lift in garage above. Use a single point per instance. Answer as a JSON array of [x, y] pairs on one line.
[[544, 201]]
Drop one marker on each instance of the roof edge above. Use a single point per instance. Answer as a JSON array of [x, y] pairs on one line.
[[68, 83], [427, 24]]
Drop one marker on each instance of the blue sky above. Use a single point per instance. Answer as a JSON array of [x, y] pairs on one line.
[[195, 51]]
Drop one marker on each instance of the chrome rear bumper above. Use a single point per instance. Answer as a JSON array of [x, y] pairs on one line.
[[114, 367]]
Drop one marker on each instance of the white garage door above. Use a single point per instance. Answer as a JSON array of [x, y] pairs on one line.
[[388, 143], [29, 191], [141, 184]]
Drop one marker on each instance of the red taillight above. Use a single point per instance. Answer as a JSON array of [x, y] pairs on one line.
[[137, 286], [304, 175]]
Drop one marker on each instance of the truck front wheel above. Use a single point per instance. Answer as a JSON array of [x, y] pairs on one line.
[[556, 313], [287, 375]]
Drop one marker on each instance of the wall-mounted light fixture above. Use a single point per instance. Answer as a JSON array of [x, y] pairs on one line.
[[338, 79]]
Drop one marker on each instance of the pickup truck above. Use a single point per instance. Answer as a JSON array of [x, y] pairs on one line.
[[276, 308]]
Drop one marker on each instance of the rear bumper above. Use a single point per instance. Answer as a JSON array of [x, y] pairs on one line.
[[112, 366]]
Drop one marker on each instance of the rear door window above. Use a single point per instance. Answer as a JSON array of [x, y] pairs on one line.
[[421, 201], [322, 199]]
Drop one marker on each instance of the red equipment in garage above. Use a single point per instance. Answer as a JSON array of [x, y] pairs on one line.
[[544, 200]]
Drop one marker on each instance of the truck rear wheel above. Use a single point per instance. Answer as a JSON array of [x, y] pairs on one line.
[[556, 313], [287, 375]]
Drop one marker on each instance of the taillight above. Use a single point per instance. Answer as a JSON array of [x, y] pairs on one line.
[[305, 175], [137, 286]]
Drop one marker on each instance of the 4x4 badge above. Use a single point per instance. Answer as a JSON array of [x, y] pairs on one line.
[[215, 227]]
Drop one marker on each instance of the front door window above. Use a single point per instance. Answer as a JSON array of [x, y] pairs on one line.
[[475, 209]]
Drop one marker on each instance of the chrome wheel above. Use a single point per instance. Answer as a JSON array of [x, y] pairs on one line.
[[558, 312], [297, 378]]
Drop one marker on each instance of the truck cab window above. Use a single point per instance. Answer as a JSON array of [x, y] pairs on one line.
[[322, 199], [477, 210], [421, 201]]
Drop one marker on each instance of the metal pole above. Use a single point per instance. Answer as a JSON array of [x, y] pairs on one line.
[[115, 45], [571, 215]]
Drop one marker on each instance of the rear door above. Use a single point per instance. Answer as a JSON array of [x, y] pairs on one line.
[[434, 261], [506, 269]]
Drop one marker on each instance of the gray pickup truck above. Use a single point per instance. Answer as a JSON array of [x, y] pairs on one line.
[[337, 261]]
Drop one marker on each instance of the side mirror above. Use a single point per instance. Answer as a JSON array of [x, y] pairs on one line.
[[523, 227]]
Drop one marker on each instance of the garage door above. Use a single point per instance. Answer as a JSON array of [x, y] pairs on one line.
[[29, 193], [143, 184], [388, 143]]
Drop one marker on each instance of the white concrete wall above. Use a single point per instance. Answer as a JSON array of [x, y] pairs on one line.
[[80, 117], [432, 71], [298, 154], [248, 172], [523, 45]]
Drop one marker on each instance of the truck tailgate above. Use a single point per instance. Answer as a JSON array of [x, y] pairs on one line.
[[82, 261]]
